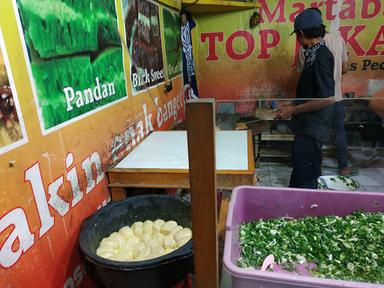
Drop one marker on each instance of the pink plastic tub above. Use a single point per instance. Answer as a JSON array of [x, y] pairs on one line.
[[253, 203]]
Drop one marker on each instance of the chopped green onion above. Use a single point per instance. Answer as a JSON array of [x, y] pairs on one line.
[[348, 248]]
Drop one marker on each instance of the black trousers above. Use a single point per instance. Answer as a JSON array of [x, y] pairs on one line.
[[306, 156]]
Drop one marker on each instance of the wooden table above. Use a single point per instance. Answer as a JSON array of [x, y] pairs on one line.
[[161, 161]]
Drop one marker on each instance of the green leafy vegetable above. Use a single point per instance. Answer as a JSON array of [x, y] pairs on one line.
[[348, 248]]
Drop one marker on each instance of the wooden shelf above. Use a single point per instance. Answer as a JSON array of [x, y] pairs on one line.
[[277, 137], [212, 6]]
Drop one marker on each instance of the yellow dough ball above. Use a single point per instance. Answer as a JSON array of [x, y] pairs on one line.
[[157, 224], [126, 232], [168, 226], [117, 238], [148, 227], [137, 228]]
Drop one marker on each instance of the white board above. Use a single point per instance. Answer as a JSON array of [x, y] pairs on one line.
[[169, 150]]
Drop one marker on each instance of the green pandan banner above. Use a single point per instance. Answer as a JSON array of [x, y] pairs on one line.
[[172, 39], [75, 56]]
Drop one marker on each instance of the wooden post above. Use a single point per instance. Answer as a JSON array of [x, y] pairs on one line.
[[118, 193], [200, 121]]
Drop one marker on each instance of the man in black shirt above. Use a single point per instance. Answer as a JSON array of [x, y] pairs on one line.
[[311, 111]]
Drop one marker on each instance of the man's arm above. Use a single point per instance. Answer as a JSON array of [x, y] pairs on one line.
[[285, 112], [324, 87]]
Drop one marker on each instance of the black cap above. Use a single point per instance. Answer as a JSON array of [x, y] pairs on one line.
[[309, 18]]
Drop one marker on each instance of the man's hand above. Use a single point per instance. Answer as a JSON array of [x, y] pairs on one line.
[[284, 112]]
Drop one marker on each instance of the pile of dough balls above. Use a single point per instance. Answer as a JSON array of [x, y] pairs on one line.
[[144, 240]]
